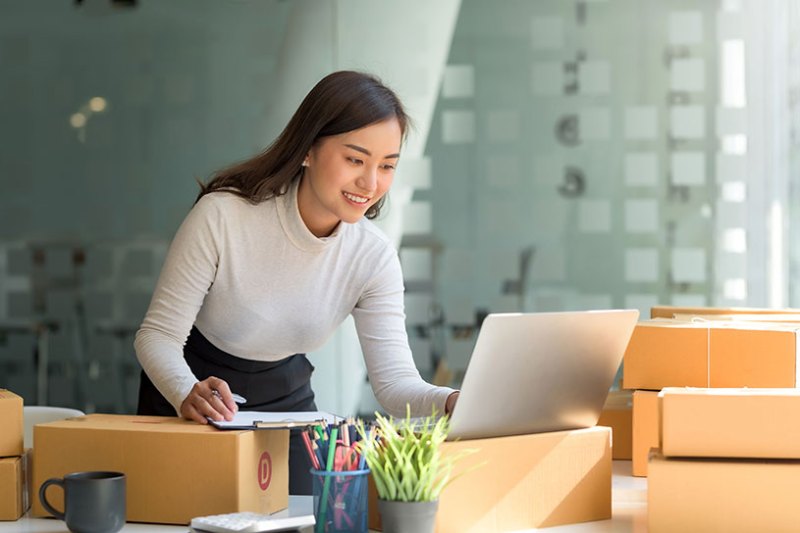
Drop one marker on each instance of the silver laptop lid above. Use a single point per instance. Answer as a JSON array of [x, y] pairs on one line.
[[537, 372]]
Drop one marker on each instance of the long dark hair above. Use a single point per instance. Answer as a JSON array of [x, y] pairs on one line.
[[340, 102]]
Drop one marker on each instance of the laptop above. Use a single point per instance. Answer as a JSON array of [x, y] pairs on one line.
[[537, 372]]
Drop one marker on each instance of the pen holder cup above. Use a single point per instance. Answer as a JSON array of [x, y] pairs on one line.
[[340, 500]]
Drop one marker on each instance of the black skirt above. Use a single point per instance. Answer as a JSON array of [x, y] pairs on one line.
[[283, 385]]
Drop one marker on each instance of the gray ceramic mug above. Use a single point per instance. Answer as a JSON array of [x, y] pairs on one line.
[[94, 502]]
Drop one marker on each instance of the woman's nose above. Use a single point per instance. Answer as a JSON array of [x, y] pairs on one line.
[[368, 180]]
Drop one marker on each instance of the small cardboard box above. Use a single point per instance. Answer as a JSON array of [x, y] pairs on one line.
[[11, 436], [730, 495], [646, 427], [676, 353], [754, 423], [14, 486], [618, 415], [670, 311], [524, 481], [175, 469]]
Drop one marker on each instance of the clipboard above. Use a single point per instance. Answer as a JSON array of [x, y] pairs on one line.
[[276, 420]]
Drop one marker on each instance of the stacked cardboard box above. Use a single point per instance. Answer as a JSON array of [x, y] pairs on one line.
[[618, 415], [14, 470], [729, 461], [728, 350]]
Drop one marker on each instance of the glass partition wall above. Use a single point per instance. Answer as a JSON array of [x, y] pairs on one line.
[[582, 154]]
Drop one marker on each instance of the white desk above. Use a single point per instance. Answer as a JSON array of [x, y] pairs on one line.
[[629, 512]]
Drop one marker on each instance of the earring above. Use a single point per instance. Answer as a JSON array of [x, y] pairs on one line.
[[305, 163]]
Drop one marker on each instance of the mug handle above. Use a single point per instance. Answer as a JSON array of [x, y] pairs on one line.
[[43, 497]]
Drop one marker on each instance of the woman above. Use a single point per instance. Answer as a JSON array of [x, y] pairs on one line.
[[274, 255]]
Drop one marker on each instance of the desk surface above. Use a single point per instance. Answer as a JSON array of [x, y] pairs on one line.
[[629, 512]]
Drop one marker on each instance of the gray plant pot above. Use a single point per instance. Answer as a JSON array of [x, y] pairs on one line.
[[408, 517]]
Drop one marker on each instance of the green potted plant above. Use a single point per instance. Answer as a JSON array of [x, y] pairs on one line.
[[409, 471]]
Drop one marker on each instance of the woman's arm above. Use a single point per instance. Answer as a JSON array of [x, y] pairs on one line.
[[188, 273], [380, 321]]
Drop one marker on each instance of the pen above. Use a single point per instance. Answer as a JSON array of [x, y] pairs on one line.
[[236, 398]]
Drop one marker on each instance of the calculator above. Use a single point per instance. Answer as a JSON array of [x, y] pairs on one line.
[[249, 523]]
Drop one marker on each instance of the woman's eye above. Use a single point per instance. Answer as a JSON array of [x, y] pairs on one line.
[[355, 160], [388, 167]]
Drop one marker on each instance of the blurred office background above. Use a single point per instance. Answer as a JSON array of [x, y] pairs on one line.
[[568, 154]]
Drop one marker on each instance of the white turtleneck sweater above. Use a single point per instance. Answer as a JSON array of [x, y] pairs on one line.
[[259, 285]]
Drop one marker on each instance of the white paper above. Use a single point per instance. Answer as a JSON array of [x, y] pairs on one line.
[[731, 168], [641, 215], [594, 216], [685, 27], [458, 81], [641, 122], [502, 171], [417, 218], [595, 123], [688, 265], [594, 77], [688, 168], [641, 265], [731, 121], [547, 78], [687, 122], [641, 169], [502, 126], [247, 419], [417, 264], [547, 33], [458, 127], [687, 74]]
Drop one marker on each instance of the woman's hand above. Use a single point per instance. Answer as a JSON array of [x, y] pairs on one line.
[[450, 403], [209, 398]]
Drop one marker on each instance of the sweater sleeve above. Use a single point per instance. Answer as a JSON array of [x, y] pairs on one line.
[[188, 272], [380, 321]]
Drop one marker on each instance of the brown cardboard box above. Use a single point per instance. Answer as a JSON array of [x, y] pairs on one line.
[[525, 481], [175, 469], [669, 311], [756, 423], [618, 415], [11, 422], [730, 495], [14, 486], [646, 427], [674, 353]]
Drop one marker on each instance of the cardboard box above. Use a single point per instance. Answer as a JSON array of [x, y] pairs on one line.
[[646, 426], [14, 486], [175, 469], [618, 415], [670, 311], [754, 423], [526, 481], [673, 353], [11, 437], [730, 495]]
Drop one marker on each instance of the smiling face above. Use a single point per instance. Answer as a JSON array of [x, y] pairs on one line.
[[346, 174]]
